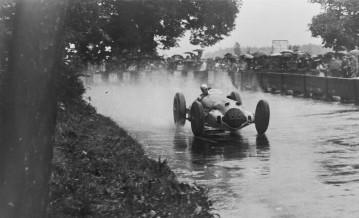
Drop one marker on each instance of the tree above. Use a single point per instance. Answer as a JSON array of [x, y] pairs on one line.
[[28, 116], [146, 25], [237, 49], [97, 25], [338, 25]]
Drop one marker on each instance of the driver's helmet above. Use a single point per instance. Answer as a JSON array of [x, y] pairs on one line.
[[204, 88]]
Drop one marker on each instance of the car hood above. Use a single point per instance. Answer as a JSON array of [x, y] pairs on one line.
[[217, 102]]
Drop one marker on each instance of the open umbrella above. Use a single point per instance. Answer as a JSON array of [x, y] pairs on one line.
[[177, 57], [259, 54], [329, 54], [198, 50], [354, 52], [303, 55], [190, 53], [287, 54], [228, 55], [248, 56]]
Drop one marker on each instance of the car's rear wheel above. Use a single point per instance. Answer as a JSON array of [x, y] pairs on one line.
[[262, 116], [197, 118], [179, 109], [236, 97]]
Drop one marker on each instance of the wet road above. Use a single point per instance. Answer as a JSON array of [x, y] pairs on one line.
[[307, 164]]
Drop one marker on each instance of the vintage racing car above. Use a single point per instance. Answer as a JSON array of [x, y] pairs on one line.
[[218, 112]]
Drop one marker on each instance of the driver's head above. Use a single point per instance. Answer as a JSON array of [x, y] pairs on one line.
[[204, 88]]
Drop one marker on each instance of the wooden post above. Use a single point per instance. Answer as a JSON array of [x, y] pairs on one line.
[[305, 90], [327, 97], [282, 91]]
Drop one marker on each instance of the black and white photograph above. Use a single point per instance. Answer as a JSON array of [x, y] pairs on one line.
[[179, 108]]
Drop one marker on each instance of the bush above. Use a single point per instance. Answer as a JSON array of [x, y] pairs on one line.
[[70, 87]]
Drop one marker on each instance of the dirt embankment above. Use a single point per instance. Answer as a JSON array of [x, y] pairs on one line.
[[100, 171]]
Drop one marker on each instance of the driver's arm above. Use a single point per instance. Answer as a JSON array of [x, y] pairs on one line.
[[200, 97]]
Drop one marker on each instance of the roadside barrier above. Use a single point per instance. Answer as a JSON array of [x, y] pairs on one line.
[[299, 84]]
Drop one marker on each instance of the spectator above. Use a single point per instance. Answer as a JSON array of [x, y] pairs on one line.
[[345, 68], [353, 66], [334, 67], [322, 68]]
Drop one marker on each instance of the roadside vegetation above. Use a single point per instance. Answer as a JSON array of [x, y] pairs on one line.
[[100, 171]]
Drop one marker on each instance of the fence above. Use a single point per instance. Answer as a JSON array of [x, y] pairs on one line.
[[298, 84]]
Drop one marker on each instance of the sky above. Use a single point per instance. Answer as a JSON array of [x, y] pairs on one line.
[[261, 21]]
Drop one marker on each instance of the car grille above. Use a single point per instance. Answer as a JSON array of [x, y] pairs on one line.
[[234, 118]]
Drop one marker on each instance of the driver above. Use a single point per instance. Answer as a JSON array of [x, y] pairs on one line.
[[204, 89]]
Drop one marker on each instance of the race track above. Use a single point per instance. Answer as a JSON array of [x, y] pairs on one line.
[[307, 165]]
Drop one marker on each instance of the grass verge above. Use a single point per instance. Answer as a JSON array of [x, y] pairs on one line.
[[100, 171]]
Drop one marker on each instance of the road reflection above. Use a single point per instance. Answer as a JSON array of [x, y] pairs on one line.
[[213, 148]]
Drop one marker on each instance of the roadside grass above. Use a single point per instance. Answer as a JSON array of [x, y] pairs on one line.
[[100, 171]]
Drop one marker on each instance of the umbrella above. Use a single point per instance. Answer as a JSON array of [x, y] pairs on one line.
[[190, 53], [287, 51], [177, 57], [287, 54], [259, 54], [248, 56], [354, 52], [329, 54], [303, 55], [343, 52], [228, 55]]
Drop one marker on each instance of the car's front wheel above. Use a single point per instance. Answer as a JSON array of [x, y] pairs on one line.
[[179, 109], [197, 118], [262, 116]]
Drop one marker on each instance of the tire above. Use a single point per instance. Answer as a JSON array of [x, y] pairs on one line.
[[179, 109], [236, 97], [262, 116], [197, 118]]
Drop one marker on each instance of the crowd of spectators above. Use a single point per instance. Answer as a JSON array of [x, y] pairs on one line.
[[330, 64]]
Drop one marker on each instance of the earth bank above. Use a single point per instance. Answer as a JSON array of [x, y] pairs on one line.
[[100, 171]]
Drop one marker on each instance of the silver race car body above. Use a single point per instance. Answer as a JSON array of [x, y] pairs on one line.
[[215, 111], [224, 113]]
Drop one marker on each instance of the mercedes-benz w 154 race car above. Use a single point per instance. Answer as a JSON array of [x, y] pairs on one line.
[[218, 112]]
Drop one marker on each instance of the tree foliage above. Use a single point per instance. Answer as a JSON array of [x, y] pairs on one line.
[[146, 25], [237, 49], [338, 24], [99, 29]]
